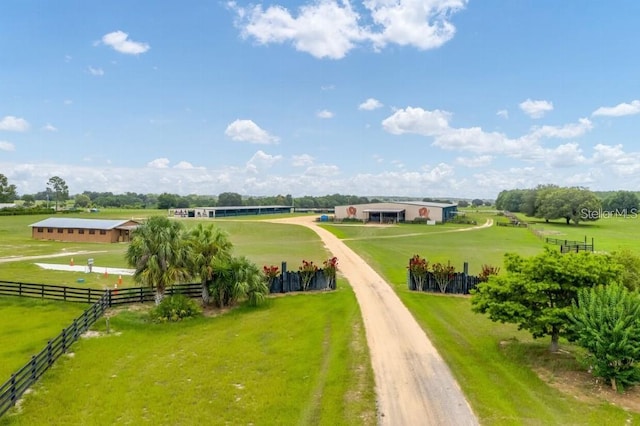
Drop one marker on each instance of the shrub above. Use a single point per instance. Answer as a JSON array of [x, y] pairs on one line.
[[606, 321], [487, 271], [175, 308], [330, 269], [443, 274], [307, 272], [419, 268]]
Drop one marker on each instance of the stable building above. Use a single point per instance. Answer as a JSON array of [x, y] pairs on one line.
[[228, 211], [398, 211], [83, 230]]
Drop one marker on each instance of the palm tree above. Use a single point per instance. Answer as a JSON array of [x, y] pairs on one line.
[[237, 278], [208, 245], [159, 254]]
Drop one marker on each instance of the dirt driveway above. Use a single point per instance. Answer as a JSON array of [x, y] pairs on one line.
[[413, 384]]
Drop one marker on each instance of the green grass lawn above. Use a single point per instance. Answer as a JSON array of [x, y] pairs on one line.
[[262, 242], [25, 327], [302, 359], [492, 362], [609, 234], [443, 243], [296, 362]]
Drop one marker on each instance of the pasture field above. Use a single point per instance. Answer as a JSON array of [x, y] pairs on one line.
[[262, 242], [442, 243], [609, 234], [26, 325], [496, 365], [301, 359]]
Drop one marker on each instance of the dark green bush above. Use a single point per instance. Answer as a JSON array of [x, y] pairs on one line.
[[175, 308]]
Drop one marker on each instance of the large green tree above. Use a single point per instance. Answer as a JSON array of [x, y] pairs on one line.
[[208, 247], [7, 191], [229, 199], [536, 293], [159, 254], [622, 202], [571, 204], [58, 187]]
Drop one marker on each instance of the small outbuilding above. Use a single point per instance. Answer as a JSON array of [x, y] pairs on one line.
[[398, 211], [83, 230]]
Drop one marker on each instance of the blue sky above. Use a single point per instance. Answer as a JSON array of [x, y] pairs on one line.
[[426, 98]]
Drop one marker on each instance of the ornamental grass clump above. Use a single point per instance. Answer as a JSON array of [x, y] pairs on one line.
[[175, 308], [419, 269]]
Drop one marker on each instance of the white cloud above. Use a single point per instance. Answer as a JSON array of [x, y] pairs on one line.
[[261, 161], [324, 114], [420, 23], [50, 128], [330, 29], [370, 104], [248, 131], [159, 163], [568, 131], [503, 113], [619, 110], [7, 146], [322, 170], [479, 161], [14, 124], [536, 109], [301, 160], [417, 120], [567, 155], [184, 165], [98, 72], [120, 42], [475, 139]]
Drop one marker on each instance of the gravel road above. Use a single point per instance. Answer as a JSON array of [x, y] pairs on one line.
[[413, 384]]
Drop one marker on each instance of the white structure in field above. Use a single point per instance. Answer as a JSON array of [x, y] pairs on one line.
[[398, 211]]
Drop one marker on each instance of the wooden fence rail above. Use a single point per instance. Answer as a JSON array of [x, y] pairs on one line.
[[22, 379]]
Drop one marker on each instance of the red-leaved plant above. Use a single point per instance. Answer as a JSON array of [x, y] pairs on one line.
[[307, 272], [443, 274], [330, 267], [270, 272], [419, 267]]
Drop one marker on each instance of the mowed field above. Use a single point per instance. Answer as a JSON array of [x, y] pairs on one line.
[[247, 366]]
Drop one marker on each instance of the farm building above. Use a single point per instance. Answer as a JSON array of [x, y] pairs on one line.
[[83, 230], [213, 212], [398, 211]]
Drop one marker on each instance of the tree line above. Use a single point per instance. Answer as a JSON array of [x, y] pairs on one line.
[[573, 204]]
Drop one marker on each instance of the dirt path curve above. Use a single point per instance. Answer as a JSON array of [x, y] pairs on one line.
[[413, 384]]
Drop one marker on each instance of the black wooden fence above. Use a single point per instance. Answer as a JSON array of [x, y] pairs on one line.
[[87, 295], [289, 281], [22, 379], [458, 283], [567, 246]]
